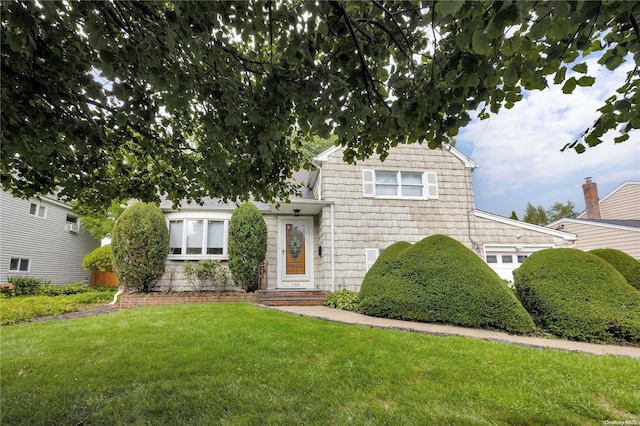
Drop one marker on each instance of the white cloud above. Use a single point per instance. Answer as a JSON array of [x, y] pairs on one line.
[[521, 146]]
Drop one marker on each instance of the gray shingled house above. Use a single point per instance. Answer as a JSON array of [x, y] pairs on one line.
[[330, 235], [42, 238]]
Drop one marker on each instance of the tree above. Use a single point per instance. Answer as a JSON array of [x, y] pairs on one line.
[[140, 243], [559, 211], [99, 223], [536, 215], [127, 99], [539, 216], [247, 245], [514, 215]]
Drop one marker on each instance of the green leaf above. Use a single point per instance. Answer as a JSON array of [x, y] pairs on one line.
[[613, 62], [449, 7], [581, 68], [569, 86], [580, 148], [621, 139], [560, 75], [323, 28], [586, 81], [480, 43]]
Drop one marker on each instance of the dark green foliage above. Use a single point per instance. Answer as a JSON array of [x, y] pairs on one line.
[[196, 98], [625, 264], [100, 258], [440, 280], [140, 243], [344, 299], [247, 245], [578, 296], [24, 286]]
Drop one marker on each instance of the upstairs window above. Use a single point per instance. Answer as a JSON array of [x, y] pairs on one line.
[[398, 184], [37, 210], [198, 238]]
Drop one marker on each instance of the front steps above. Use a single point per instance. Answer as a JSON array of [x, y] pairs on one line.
[[292, 297]]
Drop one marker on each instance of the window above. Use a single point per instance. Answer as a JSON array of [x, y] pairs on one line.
[[522, 257], [397, 184], [37, 210], [507, 258], [196, 238], [491, 258], [19, 265], [372, 255]]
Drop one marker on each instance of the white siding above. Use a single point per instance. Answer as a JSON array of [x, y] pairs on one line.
[[55, 254]]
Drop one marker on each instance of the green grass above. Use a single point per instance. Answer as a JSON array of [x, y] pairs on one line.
[[23, 308], [240, 364]]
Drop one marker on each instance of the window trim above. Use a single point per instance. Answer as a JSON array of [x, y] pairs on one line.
[[429, 190], [38, 208], [205, 218], [20, 260]]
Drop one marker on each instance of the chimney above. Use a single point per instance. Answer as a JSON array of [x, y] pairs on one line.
[[591, 200]]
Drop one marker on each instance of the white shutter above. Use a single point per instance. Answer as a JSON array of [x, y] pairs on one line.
[[431, 185], [368, 183]]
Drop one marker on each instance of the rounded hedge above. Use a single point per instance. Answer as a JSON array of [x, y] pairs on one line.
[[625, 264], [440, 280], [578, 296], [100, 258], [140, 243], [247, 245]]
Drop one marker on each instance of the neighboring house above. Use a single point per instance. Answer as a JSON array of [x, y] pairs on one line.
[[41, 238], [610, 222], [330, 235]]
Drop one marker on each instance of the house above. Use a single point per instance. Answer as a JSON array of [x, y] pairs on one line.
[[610, 222], [42, 238], [346, 215]]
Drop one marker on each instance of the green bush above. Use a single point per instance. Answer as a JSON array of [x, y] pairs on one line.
[[344, 299], [625, 264], [578, 296], [100, 258], [140, 243], [440, 280], [247, 245], [25, 286], [205, 271]]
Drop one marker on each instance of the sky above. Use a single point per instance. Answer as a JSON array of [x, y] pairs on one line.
[[518, 150]]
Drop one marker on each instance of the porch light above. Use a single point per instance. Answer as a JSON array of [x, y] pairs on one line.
[[296, 212]]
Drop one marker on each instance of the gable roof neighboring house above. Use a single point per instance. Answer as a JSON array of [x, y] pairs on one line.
[[42, 238], [610, 222], [346, 214]]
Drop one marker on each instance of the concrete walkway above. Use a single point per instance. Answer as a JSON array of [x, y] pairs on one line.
[[347, 317]]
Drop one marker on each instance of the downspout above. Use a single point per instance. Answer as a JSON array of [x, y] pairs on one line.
[[333, 268]]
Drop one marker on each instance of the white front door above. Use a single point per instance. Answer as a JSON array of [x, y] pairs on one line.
[[295, 253]]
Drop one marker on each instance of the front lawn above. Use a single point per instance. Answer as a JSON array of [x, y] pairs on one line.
[[236, 363]]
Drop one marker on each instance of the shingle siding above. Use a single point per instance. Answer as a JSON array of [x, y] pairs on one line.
[[55, 254]]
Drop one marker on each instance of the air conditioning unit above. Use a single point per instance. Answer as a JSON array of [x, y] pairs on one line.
[[71, 227]]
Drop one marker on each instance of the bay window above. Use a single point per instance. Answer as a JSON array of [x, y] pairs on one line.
[[198, 238]]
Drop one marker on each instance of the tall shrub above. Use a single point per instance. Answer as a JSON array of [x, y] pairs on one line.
[[625, 264], [247, 245], [140, 243]]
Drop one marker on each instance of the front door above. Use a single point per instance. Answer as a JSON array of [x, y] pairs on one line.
[[295, 248]]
